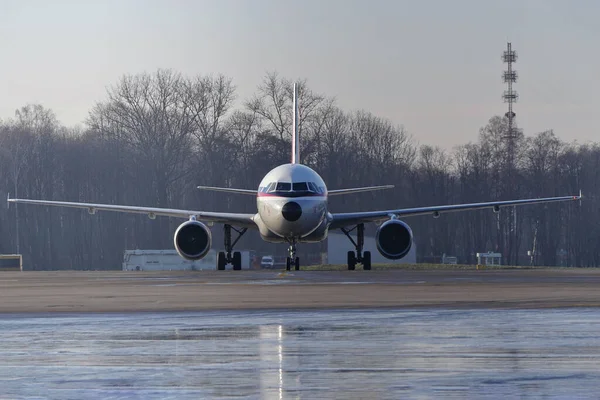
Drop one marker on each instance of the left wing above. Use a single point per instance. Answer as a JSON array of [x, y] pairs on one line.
[[341, 220], [336, 192], [237, 219]]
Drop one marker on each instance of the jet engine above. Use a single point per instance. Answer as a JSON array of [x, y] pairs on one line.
[[394, 239], [192, 240]]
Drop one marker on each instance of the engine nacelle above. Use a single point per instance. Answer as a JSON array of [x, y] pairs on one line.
[[192, 240], [394, 239]]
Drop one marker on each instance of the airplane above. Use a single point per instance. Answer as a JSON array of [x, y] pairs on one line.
[[292, 208]]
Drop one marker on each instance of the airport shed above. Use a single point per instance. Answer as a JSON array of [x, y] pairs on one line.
[[164, 260], [170, 260]]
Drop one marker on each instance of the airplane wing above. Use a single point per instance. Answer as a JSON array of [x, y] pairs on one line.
[[229, 190], [341, 220], [358, 190], [237, 219]]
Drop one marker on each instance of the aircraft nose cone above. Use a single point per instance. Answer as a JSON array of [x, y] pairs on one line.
[[291, 211]]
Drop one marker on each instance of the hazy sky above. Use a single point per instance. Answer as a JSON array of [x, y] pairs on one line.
[[433, 66]]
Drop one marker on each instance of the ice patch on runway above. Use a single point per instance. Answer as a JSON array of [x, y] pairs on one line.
[[425, 353]]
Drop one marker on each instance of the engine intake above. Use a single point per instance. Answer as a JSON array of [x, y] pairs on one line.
[[192, 240], [394, 239]]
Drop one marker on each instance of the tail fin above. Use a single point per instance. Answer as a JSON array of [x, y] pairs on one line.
[[295, 138]]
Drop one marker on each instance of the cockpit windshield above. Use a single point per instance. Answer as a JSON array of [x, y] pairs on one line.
[[283, 186], [300, 187], [293, 189]]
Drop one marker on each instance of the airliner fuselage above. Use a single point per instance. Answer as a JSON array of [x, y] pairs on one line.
[[291, 203]]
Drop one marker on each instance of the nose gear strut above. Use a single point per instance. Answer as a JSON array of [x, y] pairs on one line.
[[292, 259]]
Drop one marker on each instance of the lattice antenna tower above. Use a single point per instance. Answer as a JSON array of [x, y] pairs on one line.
[[510, 96]]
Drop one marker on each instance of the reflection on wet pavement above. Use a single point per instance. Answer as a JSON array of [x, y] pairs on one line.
[[363, 354]]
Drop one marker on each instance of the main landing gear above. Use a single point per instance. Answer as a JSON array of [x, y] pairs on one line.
[[225, 257], [292, 258], [358, 257]]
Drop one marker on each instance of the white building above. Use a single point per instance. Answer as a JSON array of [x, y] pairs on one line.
[[338, 246], [169, 260]]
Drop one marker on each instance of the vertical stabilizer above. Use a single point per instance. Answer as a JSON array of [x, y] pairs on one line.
[[295, 138]]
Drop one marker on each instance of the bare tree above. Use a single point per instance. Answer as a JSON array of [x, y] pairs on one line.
[[152, 115], [156, 136], [274, 103]]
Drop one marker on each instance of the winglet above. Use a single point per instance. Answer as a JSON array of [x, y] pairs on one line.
[[8, 200], [295, 138]]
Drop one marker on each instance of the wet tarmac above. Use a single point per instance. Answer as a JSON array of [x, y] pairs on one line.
[[319, 354]]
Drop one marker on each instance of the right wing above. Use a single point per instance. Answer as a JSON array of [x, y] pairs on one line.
[[336, 192], [229, 190], [237, 219], [341, 220]]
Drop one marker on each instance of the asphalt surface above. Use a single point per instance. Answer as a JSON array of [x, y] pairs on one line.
[[79, 291]]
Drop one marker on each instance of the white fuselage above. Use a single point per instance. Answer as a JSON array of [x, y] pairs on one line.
[[292, 201]]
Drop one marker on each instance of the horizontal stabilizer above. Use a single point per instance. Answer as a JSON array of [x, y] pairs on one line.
[[229, 190], [358, 190]]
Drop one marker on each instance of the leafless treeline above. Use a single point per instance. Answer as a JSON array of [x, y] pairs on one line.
[[156, 136]]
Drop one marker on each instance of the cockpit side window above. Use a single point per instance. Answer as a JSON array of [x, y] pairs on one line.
[[284, 186], [271, 187], [312, 187]]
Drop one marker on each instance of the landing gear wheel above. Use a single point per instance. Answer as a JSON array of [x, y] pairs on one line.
[[359, 256], [237, 261], [292, 259], [351, 261], [221, 261], [366, 260], [224, 257]]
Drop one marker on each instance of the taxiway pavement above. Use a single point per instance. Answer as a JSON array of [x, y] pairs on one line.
[[117, 291]]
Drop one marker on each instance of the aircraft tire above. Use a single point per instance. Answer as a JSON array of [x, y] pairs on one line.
[[221, 261], [288, 263], [351, 261], [297, 264], [367, 261], [237, 261]]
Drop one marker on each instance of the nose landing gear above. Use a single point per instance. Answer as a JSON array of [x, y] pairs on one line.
[[292, 259]]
